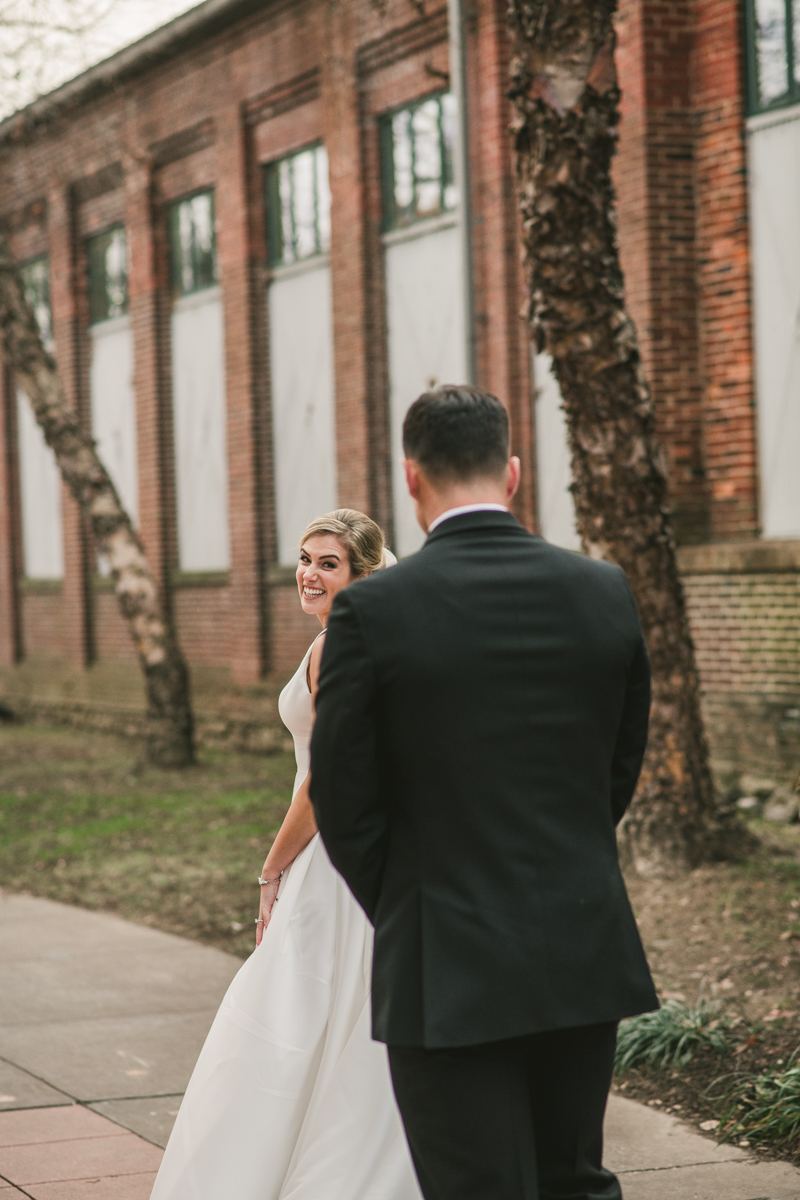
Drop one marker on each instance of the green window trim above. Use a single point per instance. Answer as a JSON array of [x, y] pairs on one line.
[[297, 206], [417, 171], [107, 269], [193, 243], [772, 42]]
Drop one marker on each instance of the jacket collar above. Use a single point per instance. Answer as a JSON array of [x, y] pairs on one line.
[[481, 519]]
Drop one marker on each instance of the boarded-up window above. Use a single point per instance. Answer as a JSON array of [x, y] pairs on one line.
[[424, 274], [40, 480], [300, 343], [198, 389]]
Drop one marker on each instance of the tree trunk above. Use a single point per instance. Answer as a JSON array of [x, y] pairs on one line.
[[565, 92], [170, 740]]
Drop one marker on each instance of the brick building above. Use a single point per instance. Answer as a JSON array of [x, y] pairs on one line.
[[243, 237]]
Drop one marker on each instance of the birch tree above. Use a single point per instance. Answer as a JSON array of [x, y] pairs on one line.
[[566, 98], [29, 29]]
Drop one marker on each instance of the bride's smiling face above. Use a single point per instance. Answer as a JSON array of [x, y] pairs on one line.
[[323, 570]]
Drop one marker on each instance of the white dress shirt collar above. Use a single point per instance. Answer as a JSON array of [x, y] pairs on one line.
[[465, 508]]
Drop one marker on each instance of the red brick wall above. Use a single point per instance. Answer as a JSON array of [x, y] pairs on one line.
[[654, 175], [43, 624], [723, 270], [205, 619], [294, 631], [112, 637]]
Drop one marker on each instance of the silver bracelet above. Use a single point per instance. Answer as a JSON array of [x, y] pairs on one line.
[[264, 882]]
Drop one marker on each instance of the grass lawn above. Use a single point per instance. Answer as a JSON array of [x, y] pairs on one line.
[[178, 850]]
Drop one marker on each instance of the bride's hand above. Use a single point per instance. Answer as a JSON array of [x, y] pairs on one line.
[[268, 893]]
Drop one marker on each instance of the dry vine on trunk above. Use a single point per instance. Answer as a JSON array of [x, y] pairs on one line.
[[170, 731], [564, 89]]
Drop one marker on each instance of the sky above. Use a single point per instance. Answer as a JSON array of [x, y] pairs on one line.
[[39, 51]]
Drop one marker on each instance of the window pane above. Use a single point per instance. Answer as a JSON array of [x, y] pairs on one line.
[[428, 158], [36, 282], [305, 204], [193, 248], [108, 275], [323, 200], [796, 38], [417, 149], [298, 206], [185, 236], [403, 158], [771, 50], [449, 118], [203, 227], [287, 254]]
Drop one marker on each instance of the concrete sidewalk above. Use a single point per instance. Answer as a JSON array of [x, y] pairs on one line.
[[101, 1022]]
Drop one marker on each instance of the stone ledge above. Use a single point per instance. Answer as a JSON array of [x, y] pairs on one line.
[[740, 558], [212, 730]]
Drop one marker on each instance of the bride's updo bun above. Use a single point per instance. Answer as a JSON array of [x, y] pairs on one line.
[[361, 537]]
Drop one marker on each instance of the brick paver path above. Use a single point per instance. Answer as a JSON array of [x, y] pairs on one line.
[[101, 1022]]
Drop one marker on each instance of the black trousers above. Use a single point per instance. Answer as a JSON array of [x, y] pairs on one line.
[[513, 1120]]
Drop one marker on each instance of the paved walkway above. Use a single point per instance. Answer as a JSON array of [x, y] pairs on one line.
[[101, 1022]]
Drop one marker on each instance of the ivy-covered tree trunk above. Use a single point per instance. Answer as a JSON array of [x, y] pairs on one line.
[[170, 740], [564, 89]]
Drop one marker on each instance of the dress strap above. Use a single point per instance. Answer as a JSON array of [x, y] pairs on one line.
[[308, 657]]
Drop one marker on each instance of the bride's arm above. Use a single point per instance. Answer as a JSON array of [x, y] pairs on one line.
[[299, 824]]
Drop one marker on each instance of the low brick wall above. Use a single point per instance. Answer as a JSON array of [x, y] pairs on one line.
[[744, 607]]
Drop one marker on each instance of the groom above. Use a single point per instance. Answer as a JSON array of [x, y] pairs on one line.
[[481, 721]]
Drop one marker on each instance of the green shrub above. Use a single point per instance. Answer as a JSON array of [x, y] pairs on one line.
[[671, 1036], [764, 1108]]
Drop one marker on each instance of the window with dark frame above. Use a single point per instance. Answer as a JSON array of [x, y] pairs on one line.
[[298, 206], [107, 263], [192, 243], [773, 54], [417, 161], [36, 282]]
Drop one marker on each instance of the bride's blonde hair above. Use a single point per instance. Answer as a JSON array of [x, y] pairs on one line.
[[361, 537]]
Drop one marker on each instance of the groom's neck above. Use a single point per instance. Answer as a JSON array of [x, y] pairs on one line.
[[433, 501]]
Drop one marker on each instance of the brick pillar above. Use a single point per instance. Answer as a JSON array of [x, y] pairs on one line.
[[723, 270], [247, 641], [76, 594], [655, 180], [146, 289], [503, 347], [342, 135], [10, 566]]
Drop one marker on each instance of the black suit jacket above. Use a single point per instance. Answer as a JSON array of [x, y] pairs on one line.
[[481, 721]]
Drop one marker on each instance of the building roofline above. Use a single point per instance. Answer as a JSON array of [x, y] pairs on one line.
[[152, 50]]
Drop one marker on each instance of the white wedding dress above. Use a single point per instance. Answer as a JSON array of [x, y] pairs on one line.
[[290, 1098]]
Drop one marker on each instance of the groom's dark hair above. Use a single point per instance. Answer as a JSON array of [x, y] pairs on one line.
[[456, 433]]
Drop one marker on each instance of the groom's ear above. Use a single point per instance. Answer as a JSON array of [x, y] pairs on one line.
[[513, 475], [412, 477]]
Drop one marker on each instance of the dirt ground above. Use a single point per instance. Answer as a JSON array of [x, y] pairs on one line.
[[729, 931]]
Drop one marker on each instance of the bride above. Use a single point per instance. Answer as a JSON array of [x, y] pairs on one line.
[[291, 1099]]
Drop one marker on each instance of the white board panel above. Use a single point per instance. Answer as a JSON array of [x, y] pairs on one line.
[[40, 488], [774, 154], [553, 460], [201, 465], [427, 344], [114, 407], [303, 421]]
